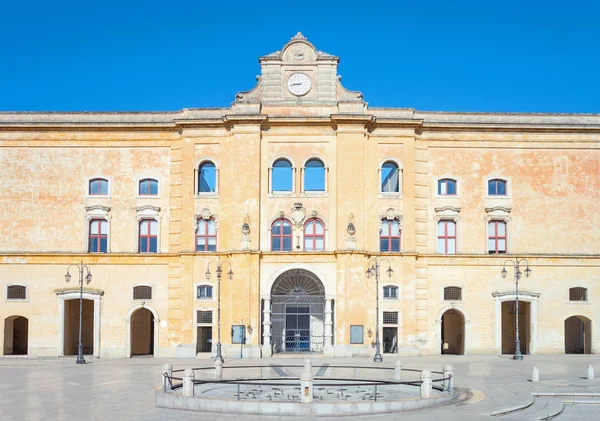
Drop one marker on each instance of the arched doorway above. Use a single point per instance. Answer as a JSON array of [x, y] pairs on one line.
[[142, 332], [453, 332], [509, 315], [16, 335], [298, 299], [71, 327], [578, 335]]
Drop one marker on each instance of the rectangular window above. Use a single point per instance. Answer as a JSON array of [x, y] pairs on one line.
[[142, 293], [446, 237], [16, 292], [98, 236], [357, 334], [390, 317], [204, 317], [238, 334], [148, 236], [497, 237]]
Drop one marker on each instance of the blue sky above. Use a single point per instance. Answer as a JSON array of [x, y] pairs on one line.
[[521, 56]]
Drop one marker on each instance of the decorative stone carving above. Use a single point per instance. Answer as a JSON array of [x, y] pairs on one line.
[[498, 213], [246, 233], [205, 214], [447, 213], [314, 213], [390, 215], [298, 214], [351, 230], [298, 36]]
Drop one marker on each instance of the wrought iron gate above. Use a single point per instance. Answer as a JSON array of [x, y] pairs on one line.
[[297, 323]]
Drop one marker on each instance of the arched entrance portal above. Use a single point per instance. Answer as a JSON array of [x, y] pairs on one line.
[[298, 299], [71, 327], [142, 332], [578, 335], [16, 332], [453, 332]]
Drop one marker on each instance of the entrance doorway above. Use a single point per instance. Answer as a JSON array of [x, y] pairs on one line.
[[16, 332], [453, 332], [578, 335], [509, 328], [142, 332], [71, 339], [204, 339], [298, 300], [390, 340]]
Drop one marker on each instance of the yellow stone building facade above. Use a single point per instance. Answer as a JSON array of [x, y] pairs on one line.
[[295, 188]]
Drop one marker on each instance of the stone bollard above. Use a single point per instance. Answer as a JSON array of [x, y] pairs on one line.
[[398, 371], [590, 375], [448, 373], [426, 384], [535, 376], [218, 369], [168, 370], [188, 382], [306, 383]]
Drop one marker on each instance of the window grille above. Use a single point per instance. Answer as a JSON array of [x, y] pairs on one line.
[[390, 292], [142, 293], [204, 317], [578, 294], [16, 292], [453, 293], [205, 292], [390, 317]]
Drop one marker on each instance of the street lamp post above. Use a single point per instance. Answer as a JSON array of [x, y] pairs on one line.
[[516, 264], [373, 269], [88, 278], [219, 272]]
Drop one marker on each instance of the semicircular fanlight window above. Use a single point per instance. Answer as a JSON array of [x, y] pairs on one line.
[[298, 282]]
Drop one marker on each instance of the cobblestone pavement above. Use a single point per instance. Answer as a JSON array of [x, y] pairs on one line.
[[58, 389]]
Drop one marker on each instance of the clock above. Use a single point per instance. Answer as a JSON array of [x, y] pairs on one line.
[[299, 84]]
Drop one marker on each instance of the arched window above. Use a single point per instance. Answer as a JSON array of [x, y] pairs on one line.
[[314, 235], [282, 176], [142, 292], [578, 294], [16, 292], [207, 178], [206, 236], [148, 242], [148, 187], [205, 292], [390, 178], [98, 236], [390, 291], [389, 238], [281, 235], [452, 293], [497, 187], [98, 187], [496, 237], [447, 187], [446, 237], [314, 176]]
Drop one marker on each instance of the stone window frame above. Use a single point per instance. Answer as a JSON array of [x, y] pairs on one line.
[[391, 195], [389, 216], [148, 212], [98, 196], [498, 213], [17, 300], [454, 285], [509, 187], [199, 163], [457, 184], [197, 285], [312, 218], [390, 285], [315, 193], [148, 176], [138, 300], [448, 213], [575, 302], [97, 212], [283, 193]]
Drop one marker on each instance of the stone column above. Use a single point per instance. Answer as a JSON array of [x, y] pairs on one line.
[[306, 383], [188, 382], [328, 345], [218, 369], [97, 314], [398, 371], [426, 384], [61, 325], [448, 373], [167, 370], [267, 350]]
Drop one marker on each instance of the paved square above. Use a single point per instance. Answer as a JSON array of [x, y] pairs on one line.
[[58, 389]]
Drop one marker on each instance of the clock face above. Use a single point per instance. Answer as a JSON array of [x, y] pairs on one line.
[[299, 84]]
